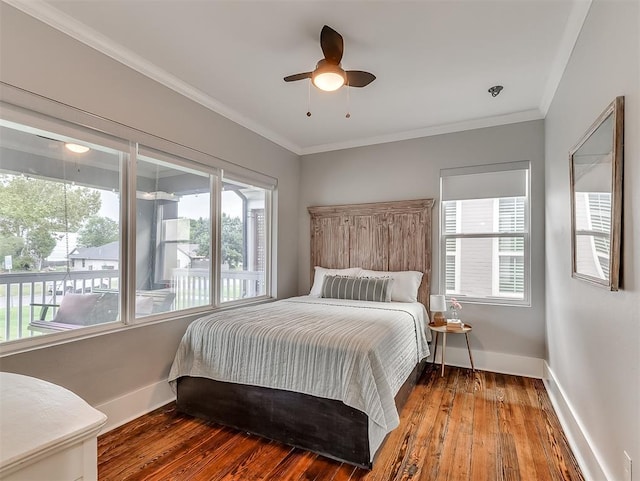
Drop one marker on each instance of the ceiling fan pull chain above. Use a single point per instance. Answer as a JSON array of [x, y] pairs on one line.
[[348, 116], [309, 100]]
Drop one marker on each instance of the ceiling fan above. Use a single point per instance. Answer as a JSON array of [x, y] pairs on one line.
[[328, 74]]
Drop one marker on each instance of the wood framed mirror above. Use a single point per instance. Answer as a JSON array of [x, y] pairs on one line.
[[596, 199]]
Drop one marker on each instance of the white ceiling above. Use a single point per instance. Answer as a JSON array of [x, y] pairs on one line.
[[434, 60]]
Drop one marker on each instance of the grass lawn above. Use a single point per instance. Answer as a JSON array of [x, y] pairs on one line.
[[14, 331]]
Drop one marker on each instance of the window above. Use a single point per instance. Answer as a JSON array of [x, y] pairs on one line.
[[173, 234], [485, 233], [59, 219], [68, 243], [243, 241]]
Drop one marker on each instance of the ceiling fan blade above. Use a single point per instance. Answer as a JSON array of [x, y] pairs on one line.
[[298, 76], [358, 78], [332, 45]]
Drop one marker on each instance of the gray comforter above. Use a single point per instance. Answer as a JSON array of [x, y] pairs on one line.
[[355, 351]]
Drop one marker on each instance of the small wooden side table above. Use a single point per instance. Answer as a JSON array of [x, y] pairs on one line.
[[448, 329]]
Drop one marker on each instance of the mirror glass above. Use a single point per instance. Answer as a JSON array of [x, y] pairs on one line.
[[596, 188]]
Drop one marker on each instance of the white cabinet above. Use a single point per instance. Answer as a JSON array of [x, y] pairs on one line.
[[47, 433]]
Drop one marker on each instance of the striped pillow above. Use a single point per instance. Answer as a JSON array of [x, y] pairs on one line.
[[357, 288]]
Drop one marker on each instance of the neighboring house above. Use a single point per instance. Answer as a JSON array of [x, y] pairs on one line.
[[95, 258], [107, 256]]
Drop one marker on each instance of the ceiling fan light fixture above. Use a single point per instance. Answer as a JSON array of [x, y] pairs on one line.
[[328, 77]]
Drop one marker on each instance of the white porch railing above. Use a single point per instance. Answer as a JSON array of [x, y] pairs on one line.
[[192, 286], [19, 292]]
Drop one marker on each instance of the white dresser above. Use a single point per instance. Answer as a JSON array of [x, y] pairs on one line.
[[47, 433]]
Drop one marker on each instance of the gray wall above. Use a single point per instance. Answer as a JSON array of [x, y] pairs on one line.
[[410, 170], [42, 60], [593, 335]]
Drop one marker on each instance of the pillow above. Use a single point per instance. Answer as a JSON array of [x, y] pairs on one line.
[[357, 288], [76, 309], [106, 309], [144, 305], [318, 278], [405, 283]]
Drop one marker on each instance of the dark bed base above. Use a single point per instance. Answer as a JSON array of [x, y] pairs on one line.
[[324, 426]]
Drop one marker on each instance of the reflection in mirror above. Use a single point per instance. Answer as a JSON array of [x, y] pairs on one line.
[[596, 184], [592, 197]]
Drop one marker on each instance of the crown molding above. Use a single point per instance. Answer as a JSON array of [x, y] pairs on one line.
[[576, 20], [480, 123], [77, 30]]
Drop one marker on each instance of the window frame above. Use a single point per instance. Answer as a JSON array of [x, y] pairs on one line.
[[31, 110], [503, 299]]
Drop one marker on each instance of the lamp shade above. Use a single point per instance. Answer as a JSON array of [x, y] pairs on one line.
[[437, 303]]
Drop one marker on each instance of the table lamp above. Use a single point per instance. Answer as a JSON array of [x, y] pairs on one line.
[[438, 305]]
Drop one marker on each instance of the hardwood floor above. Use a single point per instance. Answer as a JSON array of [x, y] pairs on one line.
[[483, 426]]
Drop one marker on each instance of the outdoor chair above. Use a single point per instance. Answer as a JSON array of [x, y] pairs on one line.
[[149, 302], [98, 307], [77, 310]]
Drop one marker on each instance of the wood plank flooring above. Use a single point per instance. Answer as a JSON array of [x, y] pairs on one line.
[[464, 426]]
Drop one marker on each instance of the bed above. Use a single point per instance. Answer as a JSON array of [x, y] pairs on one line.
[[324, 374]]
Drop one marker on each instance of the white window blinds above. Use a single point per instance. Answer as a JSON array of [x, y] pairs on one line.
[[471, 183]]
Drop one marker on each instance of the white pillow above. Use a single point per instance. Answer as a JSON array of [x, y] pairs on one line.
[[318, 278], [144, 305], [405, 283]]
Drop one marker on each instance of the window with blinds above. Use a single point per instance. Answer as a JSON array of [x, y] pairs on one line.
[[485, 233]]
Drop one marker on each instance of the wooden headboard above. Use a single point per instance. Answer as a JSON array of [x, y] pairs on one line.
[[382, 236]]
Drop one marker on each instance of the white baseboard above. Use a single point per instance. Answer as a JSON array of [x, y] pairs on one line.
[[493, 361], [579, 440], [126, 408]]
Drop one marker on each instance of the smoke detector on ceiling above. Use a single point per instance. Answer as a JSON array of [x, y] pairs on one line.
[[495, 90]]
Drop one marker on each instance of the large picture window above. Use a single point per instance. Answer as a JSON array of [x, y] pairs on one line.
[[98, 231], [485, 233]]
